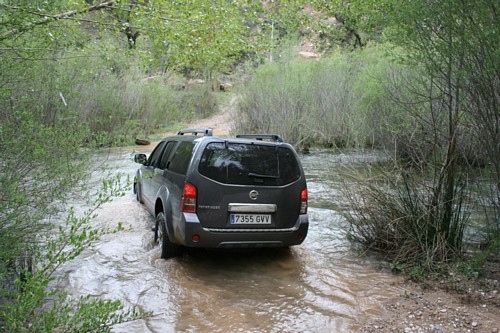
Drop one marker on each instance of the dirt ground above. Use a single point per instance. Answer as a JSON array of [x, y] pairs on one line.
[[222, 122], [452, 305]]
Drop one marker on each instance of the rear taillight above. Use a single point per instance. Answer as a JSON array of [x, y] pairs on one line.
[[188, 203], [303, 201]]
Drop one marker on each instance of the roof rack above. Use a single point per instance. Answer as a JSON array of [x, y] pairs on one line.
[[196, 131], [261, 137]]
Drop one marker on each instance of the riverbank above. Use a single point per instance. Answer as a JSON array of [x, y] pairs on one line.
[[454, 304]]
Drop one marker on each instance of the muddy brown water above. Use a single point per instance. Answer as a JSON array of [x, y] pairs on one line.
[[322, 285]]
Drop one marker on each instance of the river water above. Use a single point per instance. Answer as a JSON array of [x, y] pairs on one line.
[[322, 285]]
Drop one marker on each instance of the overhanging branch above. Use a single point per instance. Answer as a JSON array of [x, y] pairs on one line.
[[51, 18]]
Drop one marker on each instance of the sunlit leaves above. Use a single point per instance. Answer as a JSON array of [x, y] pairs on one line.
[[186, 35], [198, 34]]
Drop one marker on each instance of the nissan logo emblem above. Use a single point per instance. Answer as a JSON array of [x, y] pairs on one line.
[[253, 194]]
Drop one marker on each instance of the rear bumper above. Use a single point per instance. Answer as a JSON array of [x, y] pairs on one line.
[[243, 238]]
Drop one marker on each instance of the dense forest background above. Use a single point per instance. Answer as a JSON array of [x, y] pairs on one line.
[[418, 79]]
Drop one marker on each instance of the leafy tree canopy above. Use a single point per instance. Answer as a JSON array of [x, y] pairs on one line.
[[187, 35]]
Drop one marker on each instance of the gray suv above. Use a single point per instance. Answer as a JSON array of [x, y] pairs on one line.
[[211, 192]]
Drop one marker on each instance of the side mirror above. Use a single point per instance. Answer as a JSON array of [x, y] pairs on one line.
[[140, 158]]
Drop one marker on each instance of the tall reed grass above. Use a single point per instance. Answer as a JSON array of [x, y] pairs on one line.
[[404, 218], [338, 101]]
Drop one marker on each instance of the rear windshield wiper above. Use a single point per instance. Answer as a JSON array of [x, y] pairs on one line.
[[251, 174]]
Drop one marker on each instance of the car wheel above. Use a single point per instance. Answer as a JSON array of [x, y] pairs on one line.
[[168, 249], [138, 194]]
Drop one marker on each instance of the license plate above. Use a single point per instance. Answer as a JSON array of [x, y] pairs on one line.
[[250, 219]]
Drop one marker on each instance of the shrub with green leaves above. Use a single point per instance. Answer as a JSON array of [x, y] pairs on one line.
[[42, 167]]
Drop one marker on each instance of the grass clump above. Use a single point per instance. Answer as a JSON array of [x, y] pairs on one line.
[[406, 220]]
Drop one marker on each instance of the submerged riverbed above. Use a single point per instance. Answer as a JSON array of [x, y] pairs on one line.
[[322, 285]]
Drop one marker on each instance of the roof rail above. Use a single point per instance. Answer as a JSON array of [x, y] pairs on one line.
[[196, 131], [261, 137]]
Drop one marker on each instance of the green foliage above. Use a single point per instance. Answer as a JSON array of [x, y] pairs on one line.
[[417, 273], [108, 94], [190, 36], [454, 48], [457, 50], [29, 311], [356, 22], [275, 101], [200, 36], [32, 151], [339, 101], [42, 167]]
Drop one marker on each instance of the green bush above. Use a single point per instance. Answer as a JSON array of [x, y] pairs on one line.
[[110, 95], [340, 100], [125, 104], [42, 167]]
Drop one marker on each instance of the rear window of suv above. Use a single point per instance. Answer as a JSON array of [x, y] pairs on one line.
[[249, 164]]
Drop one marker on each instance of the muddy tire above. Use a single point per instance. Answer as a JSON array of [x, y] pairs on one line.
[[168, 249], [138, 193]]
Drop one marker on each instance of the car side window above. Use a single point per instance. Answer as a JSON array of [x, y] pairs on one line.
[[182, 157], [164, 158], [153, 158]]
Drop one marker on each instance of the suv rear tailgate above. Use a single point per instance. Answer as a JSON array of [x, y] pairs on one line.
[[231, 206]]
